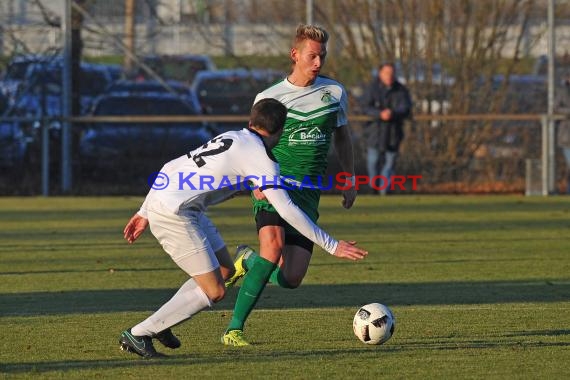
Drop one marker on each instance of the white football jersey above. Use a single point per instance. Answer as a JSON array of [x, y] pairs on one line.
[[220, 168]]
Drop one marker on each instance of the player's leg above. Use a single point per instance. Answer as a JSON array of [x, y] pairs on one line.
[[226, 263], [191, 298], [295, 266], [298, 249], [184, 240], [271, 229], [294, 262], [289, 274], [187, 240], [271, 240], [227, 268]]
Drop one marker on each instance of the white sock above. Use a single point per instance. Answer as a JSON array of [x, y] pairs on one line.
[[188, 301]]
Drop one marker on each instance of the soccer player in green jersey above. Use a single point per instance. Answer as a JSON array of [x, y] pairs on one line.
[[317, 115]]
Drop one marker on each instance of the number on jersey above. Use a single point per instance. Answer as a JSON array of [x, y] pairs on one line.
[[215, 146]]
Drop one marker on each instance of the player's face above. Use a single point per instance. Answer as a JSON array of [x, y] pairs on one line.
[[309, 58]]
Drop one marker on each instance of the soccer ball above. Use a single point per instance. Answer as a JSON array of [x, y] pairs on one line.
[[374, 323]]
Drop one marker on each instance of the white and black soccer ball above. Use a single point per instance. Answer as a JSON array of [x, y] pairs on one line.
[[374, 323]]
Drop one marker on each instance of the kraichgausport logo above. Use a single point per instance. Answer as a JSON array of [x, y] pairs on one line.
[[341, 181]]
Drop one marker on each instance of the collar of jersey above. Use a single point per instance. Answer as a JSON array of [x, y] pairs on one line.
[[268, 151], [295, 87]]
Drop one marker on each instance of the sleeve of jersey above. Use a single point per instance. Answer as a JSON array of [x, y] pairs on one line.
[[299, 220], [143, 210]]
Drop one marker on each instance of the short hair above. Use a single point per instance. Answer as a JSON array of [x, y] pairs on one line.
[[310, 32], [268, 114], [387, 64]]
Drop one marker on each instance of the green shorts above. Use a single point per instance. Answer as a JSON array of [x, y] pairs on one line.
[[306, 199]]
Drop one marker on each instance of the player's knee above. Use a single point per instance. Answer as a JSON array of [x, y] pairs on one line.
[[272, 237], [290, 282], [295, 283], [274, 243]]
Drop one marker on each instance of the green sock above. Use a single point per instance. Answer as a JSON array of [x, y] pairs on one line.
[[253, 284], [276, 278], [249, 259]]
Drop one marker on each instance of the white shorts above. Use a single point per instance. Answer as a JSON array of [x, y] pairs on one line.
[[190, 238]]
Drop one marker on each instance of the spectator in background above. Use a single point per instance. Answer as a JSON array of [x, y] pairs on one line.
[[563, 131], [389, 103]]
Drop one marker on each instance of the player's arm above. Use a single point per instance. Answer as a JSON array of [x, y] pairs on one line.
[[343, 147], [135, 227], [138, 222], [302, 223]]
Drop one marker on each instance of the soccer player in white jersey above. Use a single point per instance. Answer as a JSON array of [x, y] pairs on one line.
[[317, 115], [174, 209]]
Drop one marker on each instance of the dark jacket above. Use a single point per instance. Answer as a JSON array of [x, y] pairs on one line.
[[387, 135]]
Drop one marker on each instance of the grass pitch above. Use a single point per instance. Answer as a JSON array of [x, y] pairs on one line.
[[480, 287]]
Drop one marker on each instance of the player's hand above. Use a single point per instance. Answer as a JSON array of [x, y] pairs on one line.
[[135, 227], [348, 197], [258, 194], [386, 114], [348, 250]]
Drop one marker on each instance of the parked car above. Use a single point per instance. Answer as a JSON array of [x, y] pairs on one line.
[[40, 92], [561, 68], [146, 86], [230, 92], [4, 103], [116, 71], [140, 148], [15, 73], [182, 68], [524, 93], [13, 146], [418, 72]]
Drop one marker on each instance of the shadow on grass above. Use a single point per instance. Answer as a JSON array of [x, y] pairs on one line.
[[264, 356], [307, 296], [105, 270], [538, 333]]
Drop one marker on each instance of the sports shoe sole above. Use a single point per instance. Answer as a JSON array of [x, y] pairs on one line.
[[126, 345]]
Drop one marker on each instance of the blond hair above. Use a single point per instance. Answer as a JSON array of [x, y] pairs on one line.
[[310, 32]]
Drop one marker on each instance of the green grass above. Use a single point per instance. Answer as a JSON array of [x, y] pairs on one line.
[[480, 287]]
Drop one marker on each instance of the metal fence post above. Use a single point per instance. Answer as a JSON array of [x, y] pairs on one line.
[[44, 129], [544, 153], [66, 101], [551, 169]]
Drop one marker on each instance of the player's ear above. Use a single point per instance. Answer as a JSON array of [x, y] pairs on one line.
[[257, 129], [293, 55]]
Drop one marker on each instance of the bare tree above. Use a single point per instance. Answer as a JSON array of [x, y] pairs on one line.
[[472, 40]]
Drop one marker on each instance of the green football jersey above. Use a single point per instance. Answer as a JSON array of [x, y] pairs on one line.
[[313, 114]]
